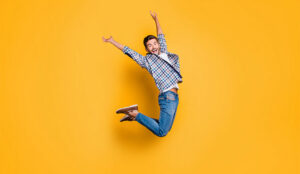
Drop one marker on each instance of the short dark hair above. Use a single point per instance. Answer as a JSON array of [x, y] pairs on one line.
[[147, 38]]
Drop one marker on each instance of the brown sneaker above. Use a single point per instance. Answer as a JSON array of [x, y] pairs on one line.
[[126, 109], [127, 118]]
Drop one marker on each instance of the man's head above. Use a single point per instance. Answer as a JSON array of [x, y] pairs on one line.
[[151, 44]]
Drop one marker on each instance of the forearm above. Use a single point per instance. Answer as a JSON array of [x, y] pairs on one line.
[[158, 27], [117, 44], [140, 59]]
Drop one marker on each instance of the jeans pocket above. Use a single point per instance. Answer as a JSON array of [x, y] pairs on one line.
[[161, 98], [171, 96]]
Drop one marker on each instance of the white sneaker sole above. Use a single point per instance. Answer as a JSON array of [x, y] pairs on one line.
[[132, 106]]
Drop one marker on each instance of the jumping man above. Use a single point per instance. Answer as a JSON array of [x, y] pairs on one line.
[[165, 69]]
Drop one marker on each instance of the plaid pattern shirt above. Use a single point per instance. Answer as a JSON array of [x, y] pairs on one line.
[[165, 74]]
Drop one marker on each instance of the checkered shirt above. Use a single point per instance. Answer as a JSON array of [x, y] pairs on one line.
[[165, 74]]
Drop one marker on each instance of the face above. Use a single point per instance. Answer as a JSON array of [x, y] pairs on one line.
[[153, 46]]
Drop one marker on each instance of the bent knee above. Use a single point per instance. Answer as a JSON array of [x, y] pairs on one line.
[[162, 133]]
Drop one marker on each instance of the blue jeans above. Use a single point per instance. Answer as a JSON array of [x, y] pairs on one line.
[[168, 102]]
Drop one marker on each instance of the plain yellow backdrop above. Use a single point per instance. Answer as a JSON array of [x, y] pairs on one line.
[[60, 85]]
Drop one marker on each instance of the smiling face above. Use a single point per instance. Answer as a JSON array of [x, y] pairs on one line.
[[153, 46]]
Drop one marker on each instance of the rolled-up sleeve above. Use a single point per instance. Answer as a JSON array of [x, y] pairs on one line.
[[162, 42], [138, 58]]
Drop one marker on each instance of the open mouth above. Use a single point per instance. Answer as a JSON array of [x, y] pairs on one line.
[[154, 50]]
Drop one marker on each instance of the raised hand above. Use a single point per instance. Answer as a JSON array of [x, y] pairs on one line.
[[110, 39], [154, 15], [158, 28]]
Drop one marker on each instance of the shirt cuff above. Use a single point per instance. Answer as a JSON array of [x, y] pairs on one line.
[[160, 35], [125, 49]]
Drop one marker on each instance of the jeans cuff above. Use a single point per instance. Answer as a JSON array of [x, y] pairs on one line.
[[136, 117]]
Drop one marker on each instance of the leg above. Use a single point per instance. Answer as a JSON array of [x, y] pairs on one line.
[[174, 114], [148, 122], [168, 106]]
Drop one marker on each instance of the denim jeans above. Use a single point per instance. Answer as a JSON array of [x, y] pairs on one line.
[[168, 102]]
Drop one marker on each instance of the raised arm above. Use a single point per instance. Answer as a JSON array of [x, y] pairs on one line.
[[158, 28], [160, 35], [115, 43], [138, 58]]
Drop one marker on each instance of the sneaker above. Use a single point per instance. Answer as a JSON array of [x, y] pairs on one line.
[[127, 118], [126, 109]]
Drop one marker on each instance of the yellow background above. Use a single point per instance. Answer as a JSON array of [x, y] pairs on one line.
[[60, 85]]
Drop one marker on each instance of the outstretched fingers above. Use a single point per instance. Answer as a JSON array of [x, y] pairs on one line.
[[107, 40], [154, 15]]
